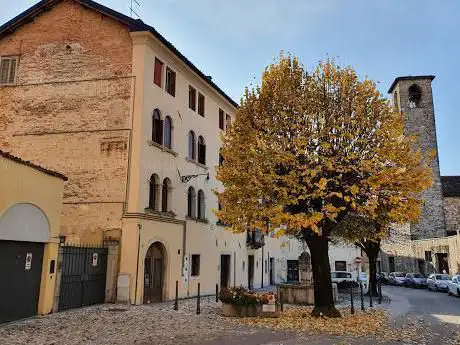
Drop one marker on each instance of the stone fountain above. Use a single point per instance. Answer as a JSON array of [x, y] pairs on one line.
[[302, 292]]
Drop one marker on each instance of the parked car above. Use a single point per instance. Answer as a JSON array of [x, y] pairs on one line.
[[343, 279], [397, 278], [383, 277], [415, 280], [437, 282], [453, 286]]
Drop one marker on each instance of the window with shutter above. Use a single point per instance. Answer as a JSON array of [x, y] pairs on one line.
[[228, 121], [201, 205], [191, 145], [221, 119], [158, 72], [201, 150], [200, 104], [167, 133], [191, 201], [157, 127], [195, 271], [192, 98], [170, 82], [8, 67]]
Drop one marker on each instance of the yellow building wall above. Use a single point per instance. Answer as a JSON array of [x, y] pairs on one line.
[[23, 184], [204, 238]]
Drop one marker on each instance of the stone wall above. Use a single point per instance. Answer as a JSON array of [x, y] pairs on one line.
[[410, 256], [71, 111], [452, 213], [420, 121]]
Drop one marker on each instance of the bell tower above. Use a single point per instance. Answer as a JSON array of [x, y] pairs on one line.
[[414, 97]]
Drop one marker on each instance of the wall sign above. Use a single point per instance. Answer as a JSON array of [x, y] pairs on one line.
[[28, 265], [94, 259]]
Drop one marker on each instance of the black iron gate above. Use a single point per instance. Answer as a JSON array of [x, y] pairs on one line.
[[83, 276]]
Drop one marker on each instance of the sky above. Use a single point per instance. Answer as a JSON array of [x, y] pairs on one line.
[[382, 39]]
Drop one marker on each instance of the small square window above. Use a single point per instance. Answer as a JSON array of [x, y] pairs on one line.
[[8, 68], [428, 256], [192, 98], [195, 265], [158, 72], [340, 265], [170, 82], [200, 104]]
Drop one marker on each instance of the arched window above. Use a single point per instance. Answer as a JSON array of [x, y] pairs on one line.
[[157, 127], [153, 192], [415, 95], [167, 133], [201, 150], [191, 145], [201, 205], [191, 202], [165, 193]]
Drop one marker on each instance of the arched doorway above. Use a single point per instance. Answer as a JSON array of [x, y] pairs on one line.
[[154, 273]]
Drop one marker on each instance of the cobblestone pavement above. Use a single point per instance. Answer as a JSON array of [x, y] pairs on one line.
[[159, 324]]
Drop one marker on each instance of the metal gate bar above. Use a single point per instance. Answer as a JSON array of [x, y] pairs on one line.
[[83, 276]]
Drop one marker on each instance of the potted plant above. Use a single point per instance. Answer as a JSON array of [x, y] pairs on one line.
[[241, 302]]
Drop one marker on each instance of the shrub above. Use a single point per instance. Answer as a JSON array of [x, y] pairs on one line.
[[243, 296]]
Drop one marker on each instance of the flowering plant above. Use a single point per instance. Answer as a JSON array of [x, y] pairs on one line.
[[243, 296]]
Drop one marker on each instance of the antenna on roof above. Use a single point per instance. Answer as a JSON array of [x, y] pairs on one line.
[[131, 8]]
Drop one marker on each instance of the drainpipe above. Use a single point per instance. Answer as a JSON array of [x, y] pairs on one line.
[[262, 284], [139, 227], [234, 268]]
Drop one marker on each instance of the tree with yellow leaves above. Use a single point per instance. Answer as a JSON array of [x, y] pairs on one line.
[[306, 149]]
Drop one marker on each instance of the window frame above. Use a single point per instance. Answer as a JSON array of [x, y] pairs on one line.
[[228, 121], [192, 98], [9, 58], [221, 119], [170, 82], [191, 202], [201, 105], [167, 132], [201, 145], [201, 205], [195, 265], [191, 145], [340, 262], [156, 81], [165, 195], [157, 127], [153, 192]]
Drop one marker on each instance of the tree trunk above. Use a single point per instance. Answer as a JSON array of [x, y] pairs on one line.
[[372, 250], [373, 273], [324, 301]]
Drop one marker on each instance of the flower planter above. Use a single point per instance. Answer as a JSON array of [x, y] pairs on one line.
[[254, 310]]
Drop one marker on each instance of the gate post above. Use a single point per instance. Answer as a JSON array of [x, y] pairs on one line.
[[112, 272], [57, 289]]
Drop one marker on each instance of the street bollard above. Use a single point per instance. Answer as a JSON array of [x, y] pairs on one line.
[[198, 306], [352, 310], [362, 295], [281, 301], [380, 292], [176, 300], [217, 292], [370, 294]]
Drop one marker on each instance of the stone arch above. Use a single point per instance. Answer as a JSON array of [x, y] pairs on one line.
[[155, 272], [25, 222]]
